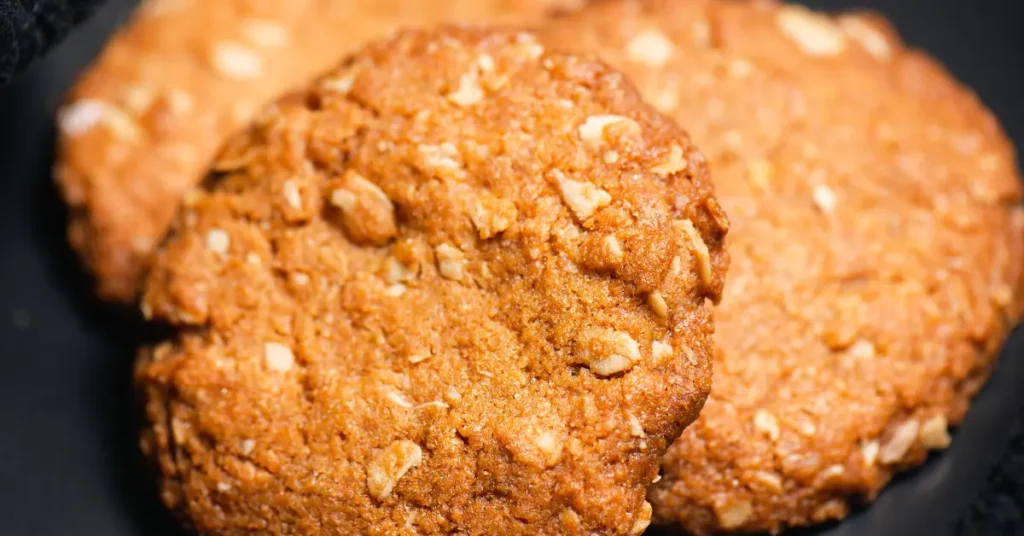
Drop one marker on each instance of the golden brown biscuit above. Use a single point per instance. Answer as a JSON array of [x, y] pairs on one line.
[[457, 286], [142, 124], [877, 248]]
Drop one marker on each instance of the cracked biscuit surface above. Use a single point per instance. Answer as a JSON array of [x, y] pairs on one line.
[[141, 125], [876, 244], [459, 284]]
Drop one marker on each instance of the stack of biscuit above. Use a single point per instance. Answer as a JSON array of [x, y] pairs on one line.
[[437, 279]]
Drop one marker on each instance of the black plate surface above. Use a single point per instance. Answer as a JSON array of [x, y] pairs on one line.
[[68, 456]]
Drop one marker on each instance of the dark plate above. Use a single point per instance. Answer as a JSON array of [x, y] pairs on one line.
[[68, 457]]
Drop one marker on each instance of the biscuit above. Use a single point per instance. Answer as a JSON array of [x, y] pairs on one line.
[[459, 285], [142, 124], [877, 249]]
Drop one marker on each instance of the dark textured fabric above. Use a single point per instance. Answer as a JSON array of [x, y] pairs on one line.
[[999, 509], [28, 28]]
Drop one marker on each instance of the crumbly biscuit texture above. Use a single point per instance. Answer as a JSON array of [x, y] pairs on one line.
[[142, 124], [877, 248], [421, 298]]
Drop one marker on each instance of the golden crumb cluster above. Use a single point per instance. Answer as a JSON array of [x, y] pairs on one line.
[[457, 284], [876, 244]]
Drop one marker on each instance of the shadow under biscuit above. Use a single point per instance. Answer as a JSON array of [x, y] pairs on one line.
[[116, 408]]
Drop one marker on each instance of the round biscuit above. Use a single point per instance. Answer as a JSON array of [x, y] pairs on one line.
[[459, 284], [876, 244]]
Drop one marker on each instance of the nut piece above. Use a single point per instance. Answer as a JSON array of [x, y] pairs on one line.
[[236, 61], [491, 216], [549, 446], [266, 33], [292, 196], [650, 48], [768, 480], [657, 303], [872, 40], [622, 343], [806, 428], [824, 198], [441, 158], [397, 398], [570, 520], [469, 91], [700, 249], [767, 424], [218, 241], [395, 291], [533, 441], [761, 172], [733, 514], [82, 116], [278, 357], [417, 358], [592, 130], [830, 473], [390, 466], [438, 404], [635, 428], [583, 198], [902, 439], [607, 351], [341, 85], [396, 272], [862, 349], [869, 451], [740, 68], [485, 63], [367, 214], [614, 249], [660, 351], [674, 164], [528, 44], [451, 262], [665, 97], [612, 364], [814, 33], [1002, 295], [833, 509], [935, 433], [643, 520]]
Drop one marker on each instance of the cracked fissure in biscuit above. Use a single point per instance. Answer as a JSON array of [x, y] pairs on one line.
[[142, 123], [877, 249], [403, 312]]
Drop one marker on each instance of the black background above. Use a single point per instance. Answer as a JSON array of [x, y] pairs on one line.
[[68, 456]]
